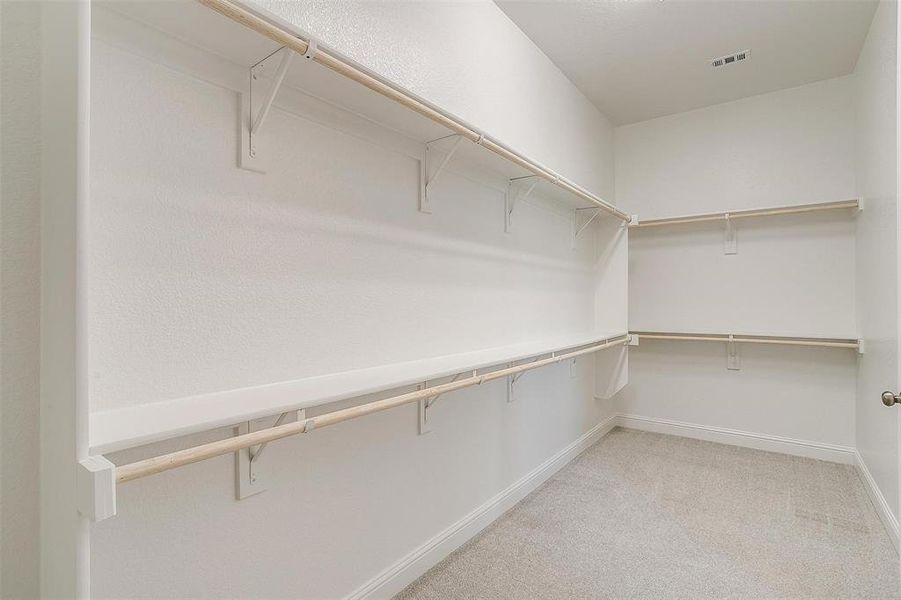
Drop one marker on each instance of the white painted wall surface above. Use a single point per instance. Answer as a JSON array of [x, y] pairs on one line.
[[20, 211], [207, 277], [875, 81], [791, 276]]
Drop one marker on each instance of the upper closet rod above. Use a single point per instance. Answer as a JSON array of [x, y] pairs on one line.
[[343, 66], [754, 212], [158, 464]]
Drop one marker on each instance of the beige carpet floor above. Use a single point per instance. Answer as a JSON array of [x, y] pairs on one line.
[[644, 515]]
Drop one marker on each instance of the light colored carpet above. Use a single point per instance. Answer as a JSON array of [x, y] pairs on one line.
[[644, 515]]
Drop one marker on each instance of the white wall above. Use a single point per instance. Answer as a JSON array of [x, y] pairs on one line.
[[20, 210], [875, 81], [206, 277], [791, 276]]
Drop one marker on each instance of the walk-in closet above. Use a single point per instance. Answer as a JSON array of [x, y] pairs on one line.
[[450, 299]]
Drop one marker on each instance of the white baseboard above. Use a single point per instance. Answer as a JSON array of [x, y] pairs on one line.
[[747, 439], [882, 507], [405, 571]]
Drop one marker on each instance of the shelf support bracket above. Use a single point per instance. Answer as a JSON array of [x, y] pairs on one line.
[[515, 194], [424, 425], [95, 485], [512, 379], [733, 360], [255, 453], [578, 229], [269, 98], [426, 403], [731, 239], [595, 215], [252, 119], [430, 177], [249, 479]]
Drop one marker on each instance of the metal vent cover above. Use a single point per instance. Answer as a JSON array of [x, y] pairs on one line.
[[730, 59]]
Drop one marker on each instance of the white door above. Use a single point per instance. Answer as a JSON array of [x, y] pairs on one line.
[[879, 434], [877, 123]]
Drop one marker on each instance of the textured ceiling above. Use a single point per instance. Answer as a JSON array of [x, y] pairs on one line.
[[640, 59]]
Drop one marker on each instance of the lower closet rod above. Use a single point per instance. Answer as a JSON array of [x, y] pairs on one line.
[[165, 462]]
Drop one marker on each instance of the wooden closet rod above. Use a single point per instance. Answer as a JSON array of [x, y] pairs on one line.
[[330, 59], [165, 462], [748, 339], [744, 214]]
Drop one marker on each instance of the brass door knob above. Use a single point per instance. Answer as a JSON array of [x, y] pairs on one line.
[[890, 399]]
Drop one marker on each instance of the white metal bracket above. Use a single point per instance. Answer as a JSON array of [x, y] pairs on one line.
[[517, 191], [512, 379], [251, 116], [633, 339], [249, 479], [429, 175], [426, 403], [860, 346], [578, 229], [95, 486], [312, 49], [511, 386], [733, 360], [731, 239]]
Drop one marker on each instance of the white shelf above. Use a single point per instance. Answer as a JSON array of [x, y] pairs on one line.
[[119, 429], [774, 211], [746, 338]]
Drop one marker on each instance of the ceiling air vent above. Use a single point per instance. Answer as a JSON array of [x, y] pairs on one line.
[[730, 59]]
